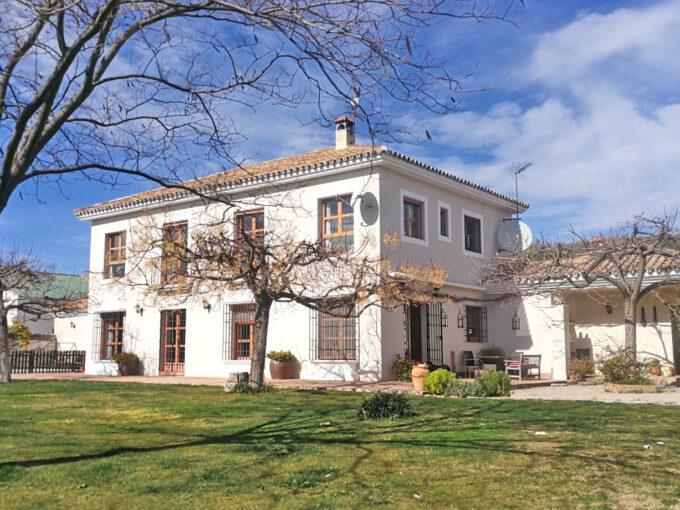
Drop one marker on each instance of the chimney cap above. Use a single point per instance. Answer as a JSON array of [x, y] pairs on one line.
[[344, 119]]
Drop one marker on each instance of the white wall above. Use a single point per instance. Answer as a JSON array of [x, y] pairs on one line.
[[73, 333]]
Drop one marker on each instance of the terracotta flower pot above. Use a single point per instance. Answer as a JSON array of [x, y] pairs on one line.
[[128, 368], [282, 370], [655, 369], [418, 374]]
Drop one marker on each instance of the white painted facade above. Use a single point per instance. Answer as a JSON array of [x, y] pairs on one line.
[[381, 333]]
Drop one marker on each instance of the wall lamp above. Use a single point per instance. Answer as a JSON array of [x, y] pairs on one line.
[[139, 309], [515, 321], [206, 305], [461, 319]]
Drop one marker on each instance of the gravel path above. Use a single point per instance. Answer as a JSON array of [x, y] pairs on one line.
[[669, 396]]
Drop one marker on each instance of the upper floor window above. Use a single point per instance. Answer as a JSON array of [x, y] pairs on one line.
[[250, 223], [173, 259], [114, 257], [413, 219], [472, 234], [112, 334], [337, 223], [444, 222]]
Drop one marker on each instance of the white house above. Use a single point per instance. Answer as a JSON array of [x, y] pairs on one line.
[[359, 192]]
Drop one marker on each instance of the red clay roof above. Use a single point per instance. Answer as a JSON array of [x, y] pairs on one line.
[[253, 173]]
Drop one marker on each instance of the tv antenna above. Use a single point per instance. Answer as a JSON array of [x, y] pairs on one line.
[[516, 174]]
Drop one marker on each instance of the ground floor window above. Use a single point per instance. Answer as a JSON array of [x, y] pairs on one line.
[[475, 319], [242, 331], [334, 336], [173, 341], [112, 334]]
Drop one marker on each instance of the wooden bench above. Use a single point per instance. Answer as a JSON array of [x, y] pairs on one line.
[[524, 366]]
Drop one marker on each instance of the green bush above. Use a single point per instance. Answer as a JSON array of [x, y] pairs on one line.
[[282, 356], [493, 384], [386, 406], [247, 388], [402, 368], [438, 381], [128, 358], [621, 367], [458, 388]]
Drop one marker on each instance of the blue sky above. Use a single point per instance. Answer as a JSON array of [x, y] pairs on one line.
[[586, 91]]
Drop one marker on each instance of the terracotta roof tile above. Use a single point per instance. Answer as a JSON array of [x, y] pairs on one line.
[[259, 171]]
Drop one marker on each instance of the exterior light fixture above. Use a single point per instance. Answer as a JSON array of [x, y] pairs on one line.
[[206, 305], [139, 309], [445, 319], [461, 320], [608, 308], [72, 324], [515, 321]]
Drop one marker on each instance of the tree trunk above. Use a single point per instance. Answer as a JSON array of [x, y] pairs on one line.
[[5, 366], [263, 306], [630, 322]]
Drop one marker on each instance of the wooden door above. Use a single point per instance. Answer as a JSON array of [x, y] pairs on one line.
[[173, 342]]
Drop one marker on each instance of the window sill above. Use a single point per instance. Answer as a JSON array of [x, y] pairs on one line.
[[414, 240], [473, 254], [335, 361]]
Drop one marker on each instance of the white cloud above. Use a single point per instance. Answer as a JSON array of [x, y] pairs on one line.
[[603, 150]]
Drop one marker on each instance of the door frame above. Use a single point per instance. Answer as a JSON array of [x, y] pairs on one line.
[[175, 367]]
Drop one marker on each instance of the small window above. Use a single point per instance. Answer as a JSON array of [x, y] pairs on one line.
[[337, 223], [112, 334], [114, 257], [243, 331], [473, 234], [337, 336], [250, 223], [475, 319], [174, 258], [444, 222], [413, 219]]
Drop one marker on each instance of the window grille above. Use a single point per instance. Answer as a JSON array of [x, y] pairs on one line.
[[332, 337]]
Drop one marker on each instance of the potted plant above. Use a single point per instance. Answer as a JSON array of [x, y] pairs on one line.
[[418, 374], [580, 368], [283, 364], [654, 367], [128, 363]]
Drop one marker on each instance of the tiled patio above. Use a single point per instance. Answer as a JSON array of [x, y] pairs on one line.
[[358, 386]]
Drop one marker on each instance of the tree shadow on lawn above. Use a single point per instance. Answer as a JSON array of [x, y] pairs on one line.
[[300, 431]]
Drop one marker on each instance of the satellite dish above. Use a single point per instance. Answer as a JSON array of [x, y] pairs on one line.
[[369, 208], [514, 235]]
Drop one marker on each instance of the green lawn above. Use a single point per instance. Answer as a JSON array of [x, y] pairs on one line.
[[112, 445]]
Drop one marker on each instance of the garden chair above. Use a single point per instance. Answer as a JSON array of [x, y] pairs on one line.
[[523, 366], [470, 363]]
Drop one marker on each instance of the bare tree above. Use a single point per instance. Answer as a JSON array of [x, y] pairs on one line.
[[276, 265], [28, 285], [637, 259], [108, 89]]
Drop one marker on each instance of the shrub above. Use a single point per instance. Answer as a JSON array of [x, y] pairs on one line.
[[621, 367], [458, 388], [386, 406], [247, 388], [19, 334], [128, 358], [493, 384], [581, 367], [402, 368], [437, 382], [282, 356]]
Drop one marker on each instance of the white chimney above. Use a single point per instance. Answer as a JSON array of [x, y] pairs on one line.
[[344, 132]]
